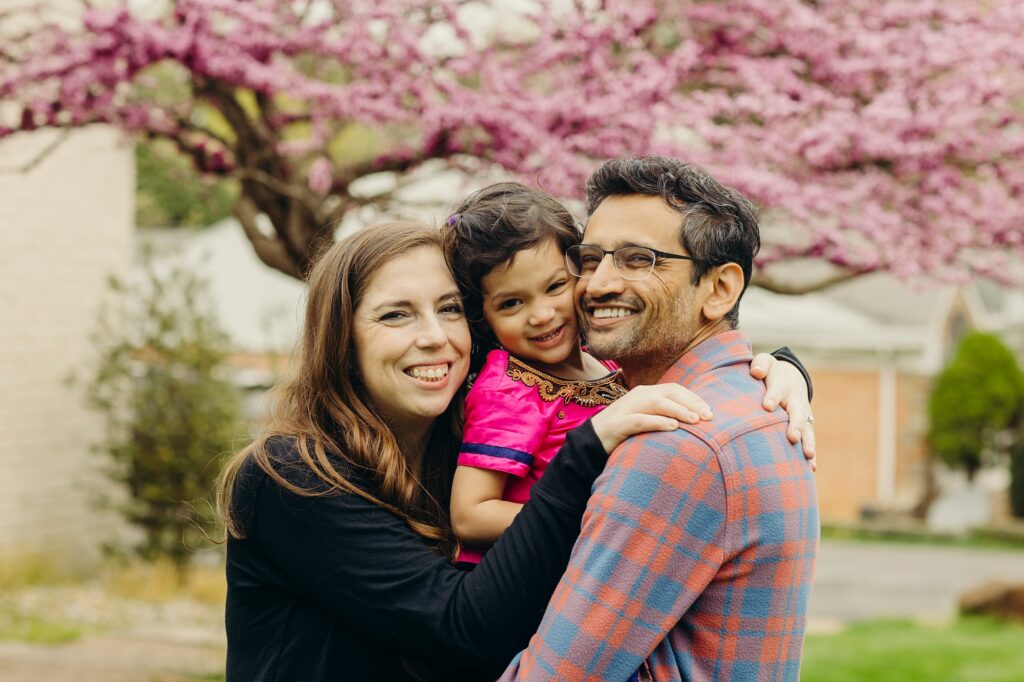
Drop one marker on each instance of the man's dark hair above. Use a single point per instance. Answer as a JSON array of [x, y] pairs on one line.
[[719, 224], [488, 229]]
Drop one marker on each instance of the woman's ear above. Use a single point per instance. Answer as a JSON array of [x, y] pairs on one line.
[[726, 286]]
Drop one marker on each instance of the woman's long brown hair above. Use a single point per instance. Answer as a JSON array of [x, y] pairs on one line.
[[323, 406]]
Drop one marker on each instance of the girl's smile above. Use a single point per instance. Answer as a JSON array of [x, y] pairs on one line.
[[528, 303]]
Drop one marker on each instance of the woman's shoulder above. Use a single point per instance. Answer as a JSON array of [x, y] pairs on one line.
[[282, 453]]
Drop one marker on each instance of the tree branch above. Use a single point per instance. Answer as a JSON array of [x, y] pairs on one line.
[[272, 252], [760, 279]]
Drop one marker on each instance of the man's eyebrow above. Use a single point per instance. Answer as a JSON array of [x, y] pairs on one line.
[[619, 245]]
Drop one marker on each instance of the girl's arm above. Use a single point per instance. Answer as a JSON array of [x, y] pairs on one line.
[[479, 515]]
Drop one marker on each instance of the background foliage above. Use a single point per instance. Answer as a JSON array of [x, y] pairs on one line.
[[975, 407], [879, 135], [170, 413], [170, 192]]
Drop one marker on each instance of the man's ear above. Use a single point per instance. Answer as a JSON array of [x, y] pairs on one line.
[[726, 286]]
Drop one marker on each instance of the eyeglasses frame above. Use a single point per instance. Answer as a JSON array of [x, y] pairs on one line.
[[606, 252]]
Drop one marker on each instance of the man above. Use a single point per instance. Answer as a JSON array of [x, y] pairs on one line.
[[697, 549]]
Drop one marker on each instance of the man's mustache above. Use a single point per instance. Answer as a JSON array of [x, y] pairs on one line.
[[625, 301]]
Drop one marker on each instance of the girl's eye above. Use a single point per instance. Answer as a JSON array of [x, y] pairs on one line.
[[508, 304], [557, 286]]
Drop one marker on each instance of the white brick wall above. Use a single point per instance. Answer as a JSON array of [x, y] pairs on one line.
[[64, 227]]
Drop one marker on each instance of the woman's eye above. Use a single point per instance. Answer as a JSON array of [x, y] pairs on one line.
[[393, 316], [452, 309]]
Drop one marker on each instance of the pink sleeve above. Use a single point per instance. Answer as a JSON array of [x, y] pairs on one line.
[[503, 430]]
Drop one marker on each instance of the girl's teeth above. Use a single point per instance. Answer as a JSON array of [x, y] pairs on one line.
[[611, 312]]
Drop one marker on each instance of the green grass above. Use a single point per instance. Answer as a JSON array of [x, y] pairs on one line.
[[36, 630], [980, 538], [971, 649]]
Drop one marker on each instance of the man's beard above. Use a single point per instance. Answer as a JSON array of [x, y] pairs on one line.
[[644, 341]]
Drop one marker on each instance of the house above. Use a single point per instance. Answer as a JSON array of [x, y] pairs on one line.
[[873, 345], [65, 226]]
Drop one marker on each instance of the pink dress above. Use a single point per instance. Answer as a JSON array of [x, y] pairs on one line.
[[517, 418]]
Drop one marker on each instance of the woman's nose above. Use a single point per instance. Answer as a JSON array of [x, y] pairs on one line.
[[431, 333]]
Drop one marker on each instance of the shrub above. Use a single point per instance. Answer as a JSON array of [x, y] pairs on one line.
[[170, 413], [975, 402]]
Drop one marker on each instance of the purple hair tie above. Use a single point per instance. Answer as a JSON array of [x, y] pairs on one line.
[[453, 218]]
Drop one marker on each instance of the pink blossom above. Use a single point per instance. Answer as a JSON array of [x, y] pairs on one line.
[[320, 178], [888, 133]]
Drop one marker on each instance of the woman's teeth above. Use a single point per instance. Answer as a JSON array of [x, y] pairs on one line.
[[429, 373], [612, 312]]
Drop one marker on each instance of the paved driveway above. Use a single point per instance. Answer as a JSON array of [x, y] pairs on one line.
[[861, 580]]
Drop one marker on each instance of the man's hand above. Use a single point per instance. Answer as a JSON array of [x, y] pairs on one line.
[[786, 388]]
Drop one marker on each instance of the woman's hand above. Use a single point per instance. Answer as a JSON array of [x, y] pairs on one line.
[[786, 388], [648, 408]]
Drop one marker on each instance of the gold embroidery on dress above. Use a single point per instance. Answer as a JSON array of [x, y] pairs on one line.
[[586, 393]]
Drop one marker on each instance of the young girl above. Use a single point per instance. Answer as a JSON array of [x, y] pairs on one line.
[[505, 245]]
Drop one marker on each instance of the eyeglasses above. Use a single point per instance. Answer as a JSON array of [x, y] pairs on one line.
[[631, 262]]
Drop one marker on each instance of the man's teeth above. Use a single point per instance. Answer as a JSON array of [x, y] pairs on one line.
[[429, 373], [612, 312]]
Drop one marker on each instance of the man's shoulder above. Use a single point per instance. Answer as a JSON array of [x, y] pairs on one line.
[[735, 399]]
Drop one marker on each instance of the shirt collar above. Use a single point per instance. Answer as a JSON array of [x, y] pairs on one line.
[[723, 349]]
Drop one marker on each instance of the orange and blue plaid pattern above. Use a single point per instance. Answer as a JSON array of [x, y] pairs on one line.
[[697, 549]]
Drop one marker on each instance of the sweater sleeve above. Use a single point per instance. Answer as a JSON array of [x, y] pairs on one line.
[[365, 565], [786, 355]]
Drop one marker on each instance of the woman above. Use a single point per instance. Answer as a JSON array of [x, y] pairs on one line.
[[339, 551]]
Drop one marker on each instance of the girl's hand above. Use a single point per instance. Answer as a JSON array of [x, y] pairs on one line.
[[648, 408], [786, 387]]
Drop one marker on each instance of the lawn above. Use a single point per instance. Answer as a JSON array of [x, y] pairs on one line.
[[969, 650]]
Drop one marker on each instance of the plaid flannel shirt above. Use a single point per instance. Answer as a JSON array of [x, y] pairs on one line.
[[697, 548]]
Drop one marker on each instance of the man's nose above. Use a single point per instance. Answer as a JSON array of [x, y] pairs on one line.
[[605, 280]]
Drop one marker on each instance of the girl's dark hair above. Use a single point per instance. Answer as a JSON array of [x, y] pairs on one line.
[[487, 230]]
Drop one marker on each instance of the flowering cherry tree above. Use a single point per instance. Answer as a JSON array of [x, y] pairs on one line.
[[876, 134]]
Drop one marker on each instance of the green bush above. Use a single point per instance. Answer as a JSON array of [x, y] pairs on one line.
[[170, 414], [169, 191], [975, 403]]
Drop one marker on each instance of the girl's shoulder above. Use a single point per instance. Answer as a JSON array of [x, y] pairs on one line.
[[495, 382], [508, 374]]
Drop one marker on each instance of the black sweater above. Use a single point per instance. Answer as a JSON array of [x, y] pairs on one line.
[[337, 588]]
